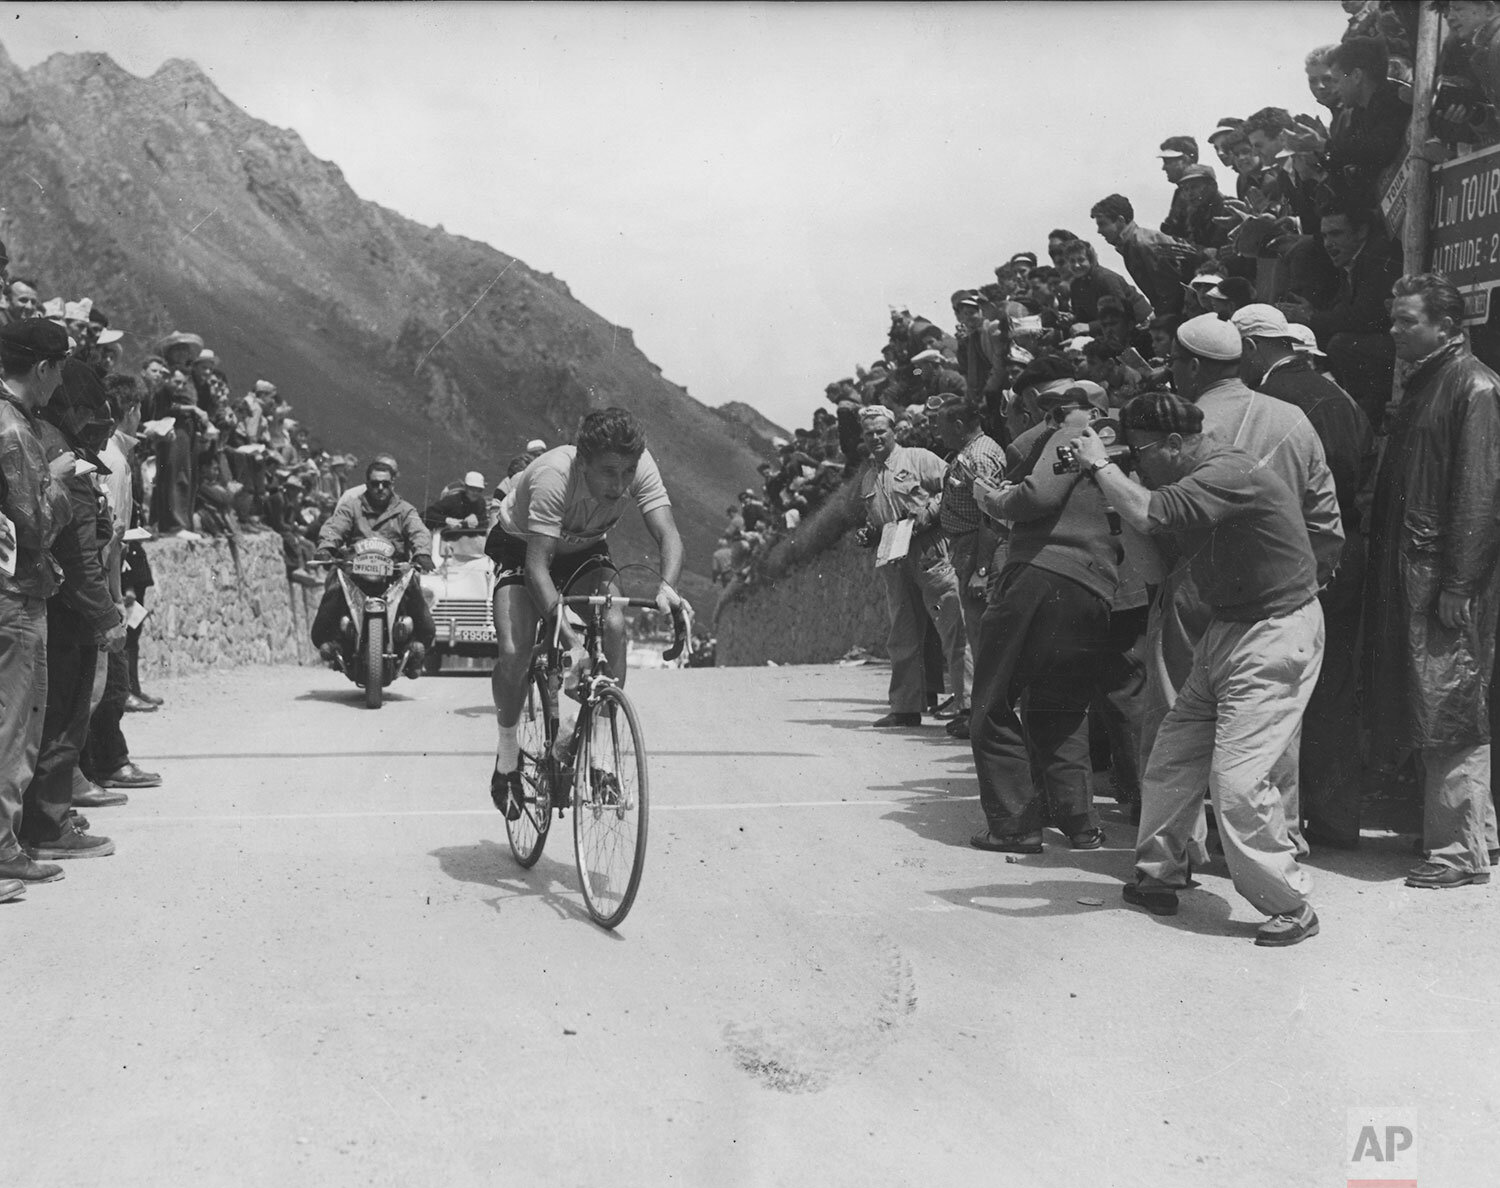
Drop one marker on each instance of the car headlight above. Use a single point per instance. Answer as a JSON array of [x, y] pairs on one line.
[[429, 595]]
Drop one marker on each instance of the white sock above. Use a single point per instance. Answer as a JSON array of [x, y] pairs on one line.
[[507, 750]]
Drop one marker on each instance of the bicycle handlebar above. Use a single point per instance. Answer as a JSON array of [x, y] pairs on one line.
[[607, 601]]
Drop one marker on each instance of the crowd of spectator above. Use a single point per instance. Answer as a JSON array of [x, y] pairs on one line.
[[1266, 317], [96, 457]]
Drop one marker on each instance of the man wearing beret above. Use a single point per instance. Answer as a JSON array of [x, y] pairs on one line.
[[34, 500], [1253, 669], [906, 483]]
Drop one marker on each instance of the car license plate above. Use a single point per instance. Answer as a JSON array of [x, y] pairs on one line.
[[472, 634]]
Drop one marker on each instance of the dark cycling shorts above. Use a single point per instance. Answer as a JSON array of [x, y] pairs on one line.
[[509, 555]]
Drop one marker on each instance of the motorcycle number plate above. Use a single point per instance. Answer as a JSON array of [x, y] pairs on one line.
[[370, 566]]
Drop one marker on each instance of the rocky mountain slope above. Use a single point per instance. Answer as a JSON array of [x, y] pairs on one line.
[[174, 209]]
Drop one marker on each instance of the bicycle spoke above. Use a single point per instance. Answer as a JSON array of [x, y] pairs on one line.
[[609, 820]]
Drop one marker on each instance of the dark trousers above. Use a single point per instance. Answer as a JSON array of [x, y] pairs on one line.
[[105, 751], [325, 627], [71, 657], [1121, 676], [133, 658], [1364, 365], [1043, 636], [1329, 763]]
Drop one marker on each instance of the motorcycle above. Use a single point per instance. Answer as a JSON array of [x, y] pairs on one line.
[[374, 641]]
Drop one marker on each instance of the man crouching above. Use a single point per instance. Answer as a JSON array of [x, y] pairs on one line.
[[1252, 673]]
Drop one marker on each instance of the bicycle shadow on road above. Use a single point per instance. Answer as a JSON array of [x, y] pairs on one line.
[[1203, 912], [490, 864]]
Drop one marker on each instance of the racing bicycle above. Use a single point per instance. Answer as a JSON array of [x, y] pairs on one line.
[[600, 772]]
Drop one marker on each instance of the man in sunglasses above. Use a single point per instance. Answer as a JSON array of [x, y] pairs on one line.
[[378, 511]]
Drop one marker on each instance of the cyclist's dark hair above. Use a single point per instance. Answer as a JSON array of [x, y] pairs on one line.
[[611, 431]]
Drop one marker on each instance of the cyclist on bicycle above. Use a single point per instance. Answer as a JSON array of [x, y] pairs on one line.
[[550, 533]]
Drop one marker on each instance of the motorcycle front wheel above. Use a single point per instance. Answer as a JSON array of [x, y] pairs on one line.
[[374, 661]]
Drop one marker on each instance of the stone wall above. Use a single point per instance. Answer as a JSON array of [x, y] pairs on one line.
[[207, 611], [816, 614]]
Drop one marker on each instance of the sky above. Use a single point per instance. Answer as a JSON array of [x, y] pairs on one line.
[[750, 188]]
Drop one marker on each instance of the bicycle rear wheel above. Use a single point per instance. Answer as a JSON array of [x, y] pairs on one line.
[[610, 807], [528, 832]]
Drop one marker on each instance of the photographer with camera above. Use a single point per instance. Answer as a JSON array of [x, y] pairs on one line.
[[1042, 637], [905, 483], [1253, 668], [1206, 362]]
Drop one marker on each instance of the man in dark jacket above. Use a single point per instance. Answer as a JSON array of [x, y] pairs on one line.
[[461, 505], [1157, 263], [1330, 774], [1043, 636], [1088, 281], [1432, 601], [32, 351], [1367, 137], [1354, 327], [82, 619]]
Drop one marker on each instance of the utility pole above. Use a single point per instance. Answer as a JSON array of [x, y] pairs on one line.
[[1419, 171]]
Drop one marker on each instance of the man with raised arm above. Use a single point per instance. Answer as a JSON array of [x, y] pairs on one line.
[[550, 539]]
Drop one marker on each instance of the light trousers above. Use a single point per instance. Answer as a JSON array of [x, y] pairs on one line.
[[918, 587], [1233, 720]]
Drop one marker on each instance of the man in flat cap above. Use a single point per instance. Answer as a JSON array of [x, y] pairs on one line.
[[1252, 670], [34, 500], [905, 483]]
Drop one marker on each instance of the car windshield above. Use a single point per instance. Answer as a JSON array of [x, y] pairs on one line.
[[463, 548]]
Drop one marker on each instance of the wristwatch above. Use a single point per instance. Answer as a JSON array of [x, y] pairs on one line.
[[1099, 464]]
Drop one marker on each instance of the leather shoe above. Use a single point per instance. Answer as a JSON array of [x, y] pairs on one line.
[[1091, 838], [958, 728], [1438, 876], [149, 699], [415, 655], [128, 775], [898, 720], [949, 709], [97, 797], [1159, 901], [11, 889], [1007, 843], [1280, 931], [138, 705], [72, 842], [25, 868]]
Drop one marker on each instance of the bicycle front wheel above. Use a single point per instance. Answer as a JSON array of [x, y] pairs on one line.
[[610, 804], [528, 832]]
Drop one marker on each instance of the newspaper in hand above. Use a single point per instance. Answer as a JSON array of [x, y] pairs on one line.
[[895, 542], [7, 546]]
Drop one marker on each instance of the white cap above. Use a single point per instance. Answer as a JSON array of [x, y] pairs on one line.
[[535, 444], [1304, 339], [1210, 337], [474, 479], [1260, 321]]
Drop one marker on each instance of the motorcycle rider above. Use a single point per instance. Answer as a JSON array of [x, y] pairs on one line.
[[378, 511]]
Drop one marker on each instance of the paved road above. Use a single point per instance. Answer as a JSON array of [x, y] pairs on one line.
[[312, 961]]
